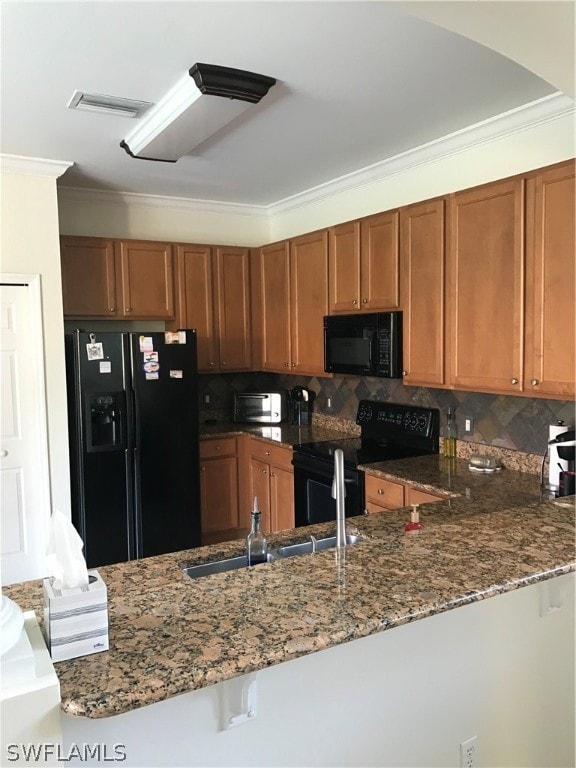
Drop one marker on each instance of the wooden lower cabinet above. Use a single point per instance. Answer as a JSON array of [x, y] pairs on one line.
[[221, 518], [382, 494], [232, 471], [271, 479]]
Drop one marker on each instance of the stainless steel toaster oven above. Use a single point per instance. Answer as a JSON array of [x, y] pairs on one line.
[[259, 407]]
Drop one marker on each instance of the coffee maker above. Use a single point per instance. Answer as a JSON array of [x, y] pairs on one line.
[[300, 402], [565, 445]]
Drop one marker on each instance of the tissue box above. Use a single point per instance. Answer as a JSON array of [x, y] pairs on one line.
[[76, 620]]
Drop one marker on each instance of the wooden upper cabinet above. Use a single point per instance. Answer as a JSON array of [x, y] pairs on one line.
[[214, 298], [422, 260], [273, 303], [89, 277], [196, 301], [233, 306], [379, 244], [290, 301], [147, 279], [344, 267], [550, 283], [486, 288], [363, 265], [308, 302]]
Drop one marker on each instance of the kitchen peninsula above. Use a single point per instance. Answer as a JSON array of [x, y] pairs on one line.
[[457, 671]]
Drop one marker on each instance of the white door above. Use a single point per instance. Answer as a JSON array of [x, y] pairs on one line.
[[25, 492]]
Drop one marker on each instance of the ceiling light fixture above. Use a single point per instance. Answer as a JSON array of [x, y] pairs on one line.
[[108, 105], [201, 103]]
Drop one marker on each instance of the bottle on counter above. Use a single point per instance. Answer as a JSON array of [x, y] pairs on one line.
[[449, 438], [257, 546]]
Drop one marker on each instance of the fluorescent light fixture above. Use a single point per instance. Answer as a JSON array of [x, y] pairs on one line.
[[108, 105], [200, 104]]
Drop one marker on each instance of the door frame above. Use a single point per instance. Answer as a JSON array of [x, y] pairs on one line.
[[34, 284]]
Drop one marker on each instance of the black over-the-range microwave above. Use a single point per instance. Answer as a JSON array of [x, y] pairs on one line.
[[364, 345]]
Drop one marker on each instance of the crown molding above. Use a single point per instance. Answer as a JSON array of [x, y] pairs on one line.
[[102, 196], [549, 108], [33, 166]]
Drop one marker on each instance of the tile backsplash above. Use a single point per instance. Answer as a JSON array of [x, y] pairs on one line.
[[516, 423]]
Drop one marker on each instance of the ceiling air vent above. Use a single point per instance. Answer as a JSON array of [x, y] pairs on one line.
[[108, 105]]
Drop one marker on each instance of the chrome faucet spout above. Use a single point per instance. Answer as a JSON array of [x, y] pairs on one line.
[[338, 493]]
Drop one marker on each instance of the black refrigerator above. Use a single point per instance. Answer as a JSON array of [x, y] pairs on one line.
[[133, 429]]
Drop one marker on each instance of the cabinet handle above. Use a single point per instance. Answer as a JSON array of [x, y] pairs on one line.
[[404, 373], [264, 472], [294, 365], [202, 468], [354, 301], [513, 381], [218, 448], [364, 301], [3, 453], [272, 474], [534, 382], [112, 309], [286, 365], [128, 309], [380, 491], [224, 362], [212, 364], [267, 453]]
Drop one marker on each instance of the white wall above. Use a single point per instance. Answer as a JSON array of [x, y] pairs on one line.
[[497, 669], [421, 176], [457, 163], [29, 245], [147, 217]]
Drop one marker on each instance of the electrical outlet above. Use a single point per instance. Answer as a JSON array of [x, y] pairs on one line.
[[468, 426], [207, 399], [469, 753]]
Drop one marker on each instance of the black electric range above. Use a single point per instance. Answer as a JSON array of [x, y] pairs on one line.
[[387, 431]]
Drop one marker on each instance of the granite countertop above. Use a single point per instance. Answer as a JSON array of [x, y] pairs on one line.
[[170, 635], [282, 434]]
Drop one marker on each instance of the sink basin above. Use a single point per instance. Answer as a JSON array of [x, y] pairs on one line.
[[218, 566], [291, 550], [308, 547]]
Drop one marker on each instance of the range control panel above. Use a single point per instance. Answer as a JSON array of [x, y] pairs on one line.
[[393, 419]]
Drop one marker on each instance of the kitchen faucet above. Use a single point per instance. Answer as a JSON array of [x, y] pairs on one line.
[[338, 493]]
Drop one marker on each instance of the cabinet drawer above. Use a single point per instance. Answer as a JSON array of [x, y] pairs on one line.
[[384, 493], [416, 496], [216, 447], [272, 454]]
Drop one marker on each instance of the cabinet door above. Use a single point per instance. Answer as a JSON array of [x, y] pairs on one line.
[[233, 305], [219, 499], [379, 243], [259, 485], [344, 268], [195, 286], [422, 272], [274, 300], [88, 277], [282, 498], [551, 280], [485, 293], [308, 302], [147, 279]]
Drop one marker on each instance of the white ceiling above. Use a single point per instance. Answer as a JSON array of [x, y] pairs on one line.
[[358, 82]]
